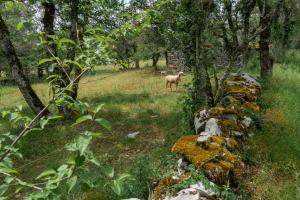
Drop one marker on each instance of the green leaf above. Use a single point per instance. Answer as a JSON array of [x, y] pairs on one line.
[[5, 113], [20, 25], [66, 40], [79, 160], [75, 63], [9, 179], [3, 189], [108, 171], [18, 189], [62, 168], [13, 116], [104, 123], [20, 108], [125, 176], [46, 173], [116, 187], [82, 119], [93, 134], [43, 122], [55, 117], [9, 171], [45, 60], [71, 183], [99, 107]]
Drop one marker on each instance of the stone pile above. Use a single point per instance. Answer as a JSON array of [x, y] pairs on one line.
[[220, 133]]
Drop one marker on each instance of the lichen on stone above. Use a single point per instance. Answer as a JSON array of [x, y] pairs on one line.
[[164, 184], [214, 157], [219, 111], [252, 106], [249, 94]]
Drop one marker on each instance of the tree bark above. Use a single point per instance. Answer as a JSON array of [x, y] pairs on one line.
[[248, 7], [155, 57], [8, 49], [287, 11], [48, 22], [200, 79], [232, 26], [264, 40], [136, 59], [72, 51], [209, 91], [167, 59]]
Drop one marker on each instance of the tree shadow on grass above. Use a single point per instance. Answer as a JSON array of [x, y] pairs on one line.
[[118, 98]]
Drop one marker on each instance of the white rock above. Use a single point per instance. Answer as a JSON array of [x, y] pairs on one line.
[[186, 194], [247, 121], [133, 135], [182, 165], [203, 191], [200, 120], [230, 117], [250, 80], [212, 127], [131, 199], [237, 133], [194, 192], [204, 136]]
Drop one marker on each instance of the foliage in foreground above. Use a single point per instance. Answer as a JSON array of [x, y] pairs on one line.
[[73, 175]]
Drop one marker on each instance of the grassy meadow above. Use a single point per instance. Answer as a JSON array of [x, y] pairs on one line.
[[136, 100]]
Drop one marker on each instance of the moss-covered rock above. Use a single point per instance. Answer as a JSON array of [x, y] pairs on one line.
[[213, 159], [252, 106], [242, 91], [163, 185], [233, 102]]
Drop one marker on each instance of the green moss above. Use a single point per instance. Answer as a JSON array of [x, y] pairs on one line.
[[252, 106], [228, 125], [219, 111], [187, 146], [230, 101], [213, 159], [166, 183], [247, 93]]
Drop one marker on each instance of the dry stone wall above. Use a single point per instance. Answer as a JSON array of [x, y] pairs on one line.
[[176, 61], [220, 133]]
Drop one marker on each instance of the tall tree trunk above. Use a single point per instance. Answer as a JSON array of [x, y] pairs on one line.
[[264, 40], [232, 26], [248, 6], [287, 26], [8, 49], [136, 59], [155, 57], [167, 59], [48, 22], [200, 80], [72, 51], [209, 91]]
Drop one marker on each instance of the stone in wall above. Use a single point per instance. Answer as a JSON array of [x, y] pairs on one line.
[[176, 61], [219, 131]]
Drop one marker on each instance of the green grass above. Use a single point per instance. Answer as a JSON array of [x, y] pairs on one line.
[[276, 147], [136, 100]]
